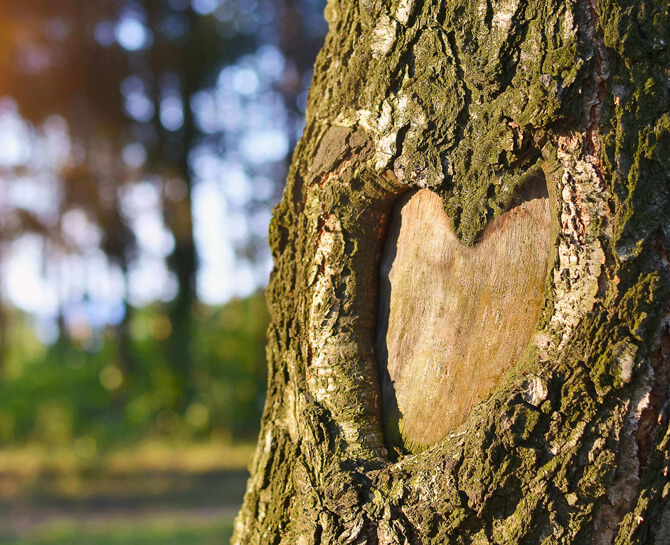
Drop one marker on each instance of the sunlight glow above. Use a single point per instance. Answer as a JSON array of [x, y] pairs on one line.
[[15, 135], [24, 284], [246, 129]]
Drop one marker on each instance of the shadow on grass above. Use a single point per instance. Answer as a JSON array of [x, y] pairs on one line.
[[123, 504], [157, 530], [128, 490]]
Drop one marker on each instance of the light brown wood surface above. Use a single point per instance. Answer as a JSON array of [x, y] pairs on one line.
[[453, 319]]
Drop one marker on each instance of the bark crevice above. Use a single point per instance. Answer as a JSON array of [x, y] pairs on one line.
[[467, 99]]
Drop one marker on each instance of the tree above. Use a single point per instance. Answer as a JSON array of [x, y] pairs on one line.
[[472, 102], [123, 76]]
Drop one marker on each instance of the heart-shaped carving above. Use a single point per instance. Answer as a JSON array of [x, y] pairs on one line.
[[453, 319]]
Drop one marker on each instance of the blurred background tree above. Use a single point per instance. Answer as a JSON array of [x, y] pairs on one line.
[[142, 147]]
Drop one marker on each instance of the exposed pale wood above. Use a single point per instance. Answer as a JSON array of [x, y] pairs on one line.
[[453, 319]]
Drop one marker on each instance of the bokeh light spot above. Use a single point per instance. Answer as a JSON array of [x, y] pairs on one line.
[[104, 33], [172, 113], [204, 7], [111, 378], [134, 155], [132, 35]]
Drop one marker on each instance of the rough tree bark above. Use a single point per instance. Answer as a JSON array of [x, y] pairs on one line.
[[469, 99]]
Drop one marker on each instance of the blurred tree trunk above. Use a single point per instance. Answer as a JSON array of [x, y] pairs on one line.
[[467, 99], [4, 333], [183, 263], [184, 65], [117, 243]]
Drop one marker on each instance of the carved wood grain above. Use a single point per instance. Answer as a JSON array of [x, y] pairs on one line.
[[453, 319]]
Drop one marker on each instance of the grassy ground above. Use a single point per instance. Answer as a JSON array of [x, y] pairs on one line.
[[151, 530], [153, 494]]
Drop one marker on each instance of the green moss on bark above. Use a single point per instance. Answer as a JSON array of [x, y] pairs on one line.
[[466, 98]]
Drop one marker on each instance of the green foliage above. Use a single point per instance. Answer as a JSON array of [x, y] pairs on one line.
[[90, 398]]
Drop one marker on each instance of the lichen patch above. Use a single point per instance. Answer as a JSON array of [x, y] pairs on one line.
[[504, 14], [384, 35]]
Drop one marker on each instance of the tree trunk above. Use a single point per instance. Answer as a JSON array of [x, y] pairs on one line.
[[560, 429]]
